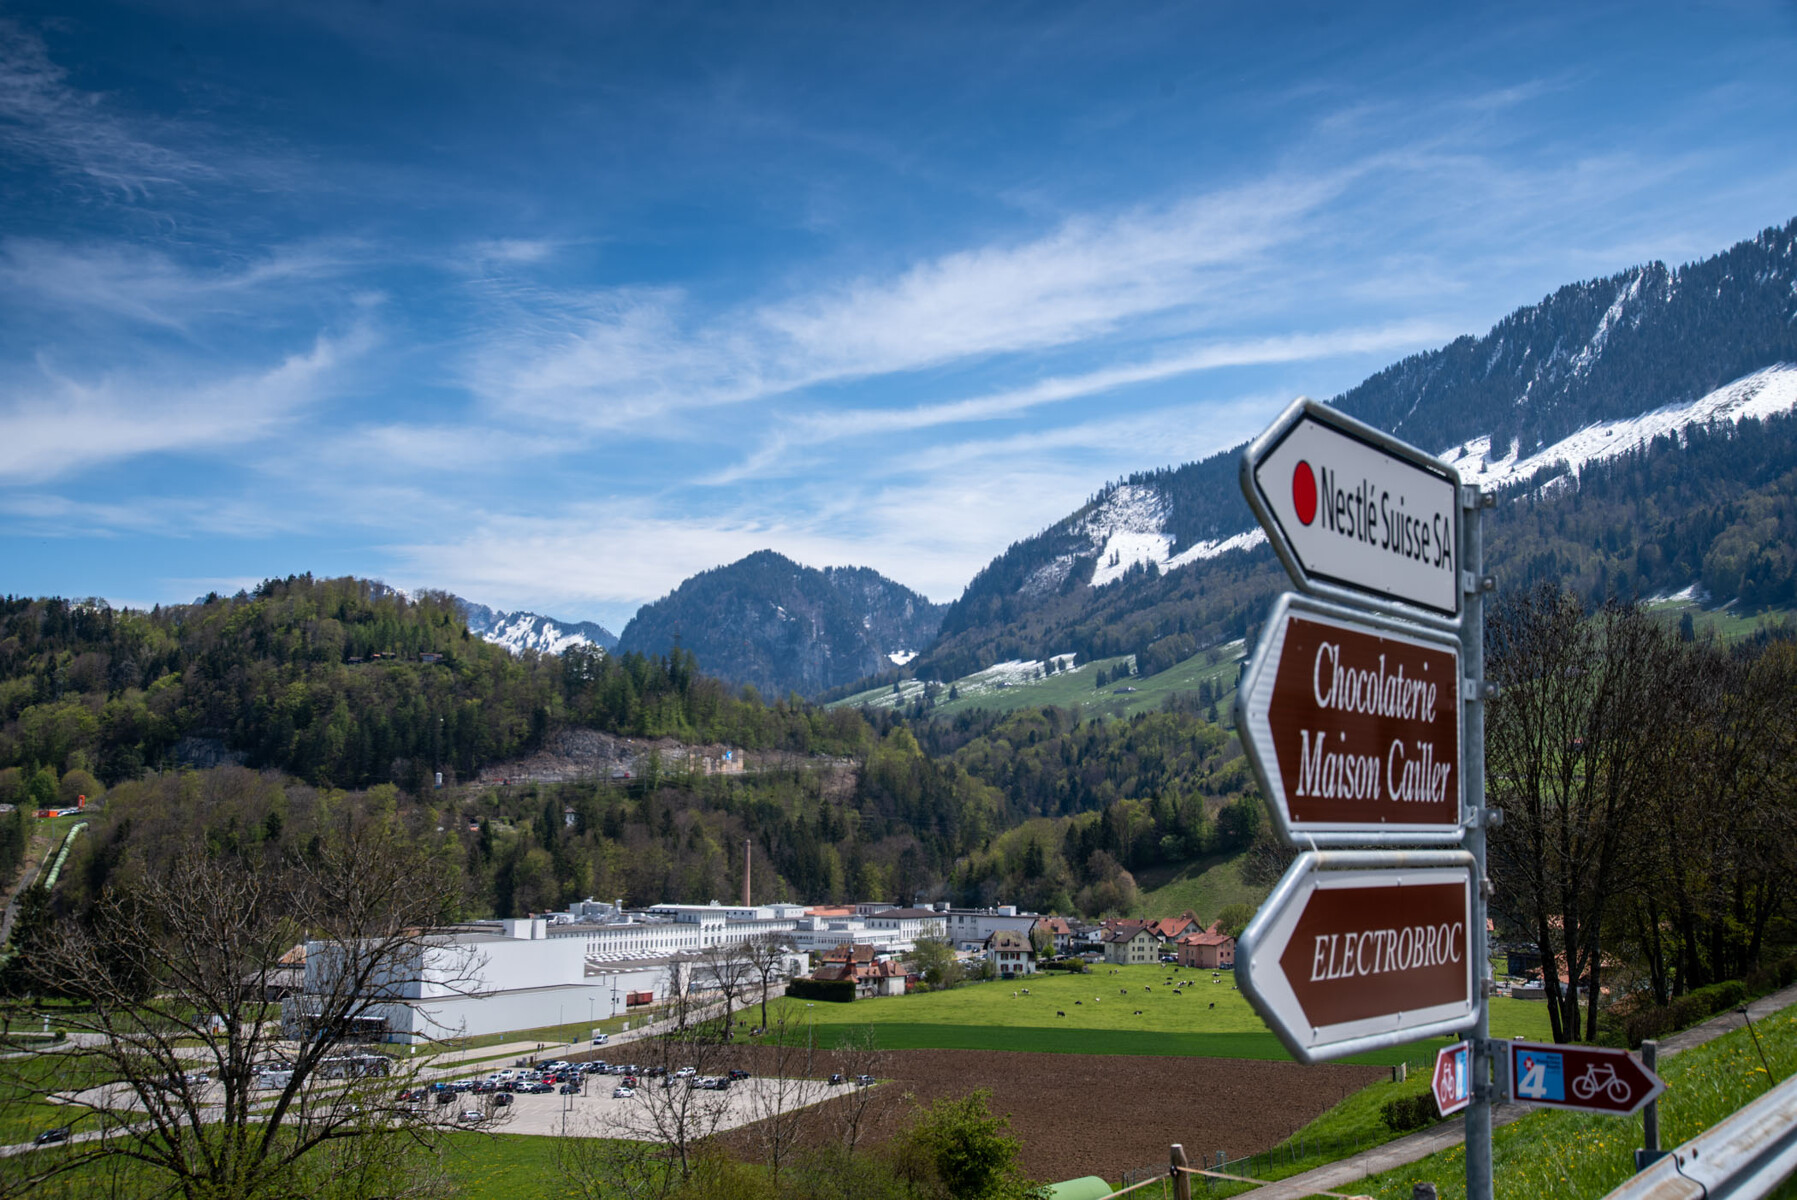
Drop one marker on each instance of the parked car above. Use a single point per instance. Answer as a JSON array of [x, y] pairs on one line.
[[838, 1079], [471, 1116], [445, 1096], [534, 1087], [738, 1073], [599, 1039], [622, 1093], [502, 1099], [685, 1073], [59, 1134], [570, 1088], [864, 1080]]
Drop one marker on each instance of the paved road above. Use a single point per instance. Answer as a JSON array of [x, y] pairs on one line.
[[1338, 1176]]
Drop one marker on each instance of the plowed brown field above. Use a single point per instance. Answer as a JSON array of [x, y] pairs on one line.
[[1102, 1114]]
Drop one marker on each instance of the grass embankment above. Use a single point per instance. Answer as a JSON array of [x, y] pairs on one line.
[[575, 1034], [1551, 1153], [1204, 886], [1101, 1017], [502, 1166]]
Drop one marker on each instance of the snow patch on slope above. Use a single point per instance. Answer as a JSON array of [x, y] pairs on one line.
[[1764, 393], [519, 632]]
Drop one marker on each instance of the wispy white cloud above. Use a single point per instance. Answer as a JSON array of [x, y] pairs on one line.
[[148, 286], [73, 132], [606, 359], [58, 424]]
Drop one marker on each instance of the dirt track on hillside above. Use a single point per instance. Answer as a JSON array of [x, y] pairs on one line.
[[1102, 1114]]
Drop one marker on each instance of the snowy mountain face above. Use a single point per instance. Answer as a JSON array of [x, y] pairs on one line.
[[1765, 393], [1592, 372], [521, 631], [1129, 526]]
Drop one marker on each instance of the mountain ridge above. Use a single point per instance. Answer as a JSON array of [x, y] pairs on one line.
[[770, 622], [1601, 355]]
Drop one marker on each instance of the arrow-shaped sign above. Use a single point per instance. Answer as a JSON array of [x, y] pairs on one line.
[[1352, 723], [1453, 1083], [1356, 950], [1354, 513], [1592, 1078]]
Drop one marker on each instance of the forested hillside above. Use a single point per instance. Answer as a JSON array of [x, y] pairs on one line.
[[339, 682]]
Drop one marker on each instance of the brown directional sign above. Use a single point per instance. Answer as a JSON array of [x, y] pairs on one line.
[[1353, 725], [1339, 957], [1584, 1077]]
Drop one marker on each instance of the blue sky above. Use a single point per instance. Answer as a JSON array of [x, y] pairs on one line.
[[554, 305]]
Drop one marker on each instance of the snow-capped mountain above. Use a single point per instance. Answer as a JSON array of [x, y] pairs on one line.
[[1593, 372], [521, 631], [1768, 392], [1128, 527]]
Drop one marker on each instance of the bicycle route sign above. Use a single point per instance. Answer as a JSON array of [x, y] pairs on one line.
[[1355, 513], [1340, 960], [1352, 723], [1590, 1078], [1453, 1082]]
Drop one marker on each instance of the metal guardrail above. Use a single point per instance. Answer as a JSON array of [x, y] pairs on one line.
[[1745, 1156]]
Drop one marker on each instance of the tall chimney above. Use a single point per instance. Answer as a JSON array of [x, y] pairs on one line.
[[748, 844]]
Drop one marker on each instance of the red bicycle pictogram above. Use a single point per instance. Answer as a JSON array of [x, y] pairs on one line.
[[1601, 1077]]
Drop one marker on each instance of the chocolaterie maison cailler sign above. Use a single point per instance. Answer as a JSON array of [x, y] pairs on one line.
[[1353, 724]]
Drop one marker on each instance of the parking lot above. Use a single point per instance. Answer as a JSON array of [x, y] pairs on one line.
[[596, 1114]]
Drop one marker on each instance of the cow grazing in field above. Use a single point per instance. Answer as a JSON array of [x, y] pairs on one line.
[[1138, 1012], [1079, 1001], [1059, 1013], [1123, 991], [1213, 1004]]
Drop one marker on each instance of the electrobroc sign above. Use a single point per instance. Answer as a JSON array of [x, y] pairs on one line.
[[1356, 511]]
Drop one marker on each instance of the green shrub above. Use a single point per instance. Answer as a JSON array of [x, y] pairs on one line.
[[1410, 1112], [836, 991]]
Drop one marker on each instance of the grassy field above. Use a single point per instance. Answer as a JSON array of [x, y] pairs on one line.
[[1100, 1019], [1001, 690], [502, 1166], [1576, 1154], [1204, 886], [1728, 623]]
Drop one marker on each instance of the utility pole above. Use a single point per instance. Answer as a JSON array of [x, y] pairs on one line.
[[1486, 1070]]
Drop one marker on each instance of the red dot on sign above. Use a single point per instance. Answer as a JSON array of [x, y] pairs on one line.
[[1304, 492]]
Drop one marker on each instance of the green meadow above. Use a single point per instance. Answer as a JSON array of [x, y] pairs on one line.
[[1111, 1010]]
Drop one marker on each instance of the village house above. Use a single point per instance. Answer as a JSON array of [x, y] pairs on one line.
[[1208, 948], [1131, 946], [1010, 953], [872, 976], [1057, 931]]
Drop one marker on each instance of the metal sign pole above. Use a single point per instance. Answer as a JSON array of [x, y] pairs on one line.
[[1478, 819]]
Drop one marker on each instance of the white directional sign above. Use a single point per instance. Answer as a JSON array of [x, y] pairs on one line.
[[1352, 722], [1343, 960], [1353, 512]]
